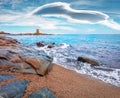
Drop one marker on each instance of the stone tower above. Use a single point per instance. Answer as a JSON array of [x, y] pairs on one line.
[[37, 32]]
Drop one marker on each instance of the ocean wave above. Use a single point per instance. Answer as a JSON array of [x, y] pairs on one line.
[[112, 76], [66, 55]]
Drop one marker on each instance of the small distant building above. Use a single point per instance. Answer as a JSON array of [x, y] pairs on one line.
[[37, 32]]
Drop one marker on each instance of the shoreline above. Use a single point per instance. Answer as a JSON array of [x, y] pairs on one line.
[[39, 72], [65, 83]]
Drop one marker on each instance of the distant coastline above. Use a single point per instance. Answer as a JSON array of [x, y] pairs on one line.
[[2, 33]]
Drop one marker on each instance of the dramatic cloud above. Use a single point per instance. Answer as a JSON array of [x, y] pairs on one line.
[[60, 9], [64, 9], [41, 16]]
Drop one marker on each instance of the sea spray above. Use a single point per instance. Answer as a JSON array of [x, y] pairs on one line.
[[64, 55]]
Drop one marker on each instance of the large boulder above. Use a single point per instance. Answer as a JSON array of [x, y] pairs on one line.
[[93, 62], [13, 89], [41, 66], [39, 61], [43, 93]]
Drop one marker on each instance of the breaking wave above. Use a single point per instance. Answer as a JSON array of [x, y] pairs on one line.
[[66, 55]]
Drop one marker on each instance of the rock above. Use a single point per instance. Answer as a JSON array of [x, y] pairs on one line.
[[13, 41], [41, 66], [4, 54], [4, 77], [23, 68], [7, 55], [39, 44], [88, 60], [6, 65], [4, 41], [43, 93], [13, 89], [16, 58], [50, 46]]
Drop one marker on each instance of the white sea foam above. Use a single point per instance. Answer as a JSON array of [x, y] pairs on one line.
[[65, 55], [63, 45], [112, 77]]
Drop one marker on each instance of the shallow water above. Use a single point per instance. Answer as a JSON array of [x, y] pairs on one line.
[[104, 48]]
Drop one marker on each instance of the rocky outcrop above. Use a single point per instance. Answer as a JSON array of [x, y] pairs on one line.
[[88, 60], [37, 65], [42, 44], [18, 58], [13, 89], [39, 44], [43, 93], [6, 41]]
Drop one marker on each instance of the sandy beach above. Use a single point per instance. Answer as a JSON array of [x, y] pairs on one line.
[[65, 83]]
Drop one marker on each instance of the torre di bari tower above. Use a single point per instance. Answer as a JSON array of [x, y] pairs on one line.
[[37, 32]]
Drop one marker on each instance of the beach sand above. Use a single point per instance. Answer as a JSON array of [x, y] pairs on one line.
[[65, 83]]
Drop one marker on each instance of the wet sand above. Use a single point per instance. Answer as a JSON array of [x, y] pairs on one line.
[[65, 83]]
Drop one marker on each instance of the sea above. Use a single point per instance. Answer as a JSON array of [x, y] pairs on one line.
[[105, 48]]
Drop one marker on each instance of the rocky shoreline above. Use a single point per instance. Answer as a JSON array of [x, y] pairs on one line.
[[16, 58], [28, 73]]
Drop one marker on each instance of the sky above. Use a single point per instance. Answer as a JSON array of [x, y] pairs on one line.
[[60, 16]]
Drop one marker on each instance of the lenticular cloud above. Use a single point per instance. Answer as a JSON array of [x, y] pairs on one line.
[[64, 9], [61, 9]]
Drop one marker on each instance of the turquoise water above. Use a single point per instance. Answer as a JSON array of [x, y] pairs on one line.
[[72, 39], [104, 48]]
